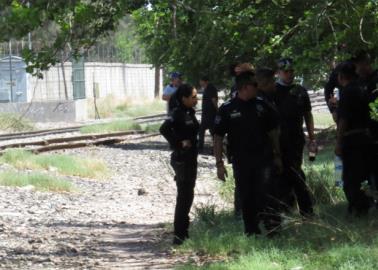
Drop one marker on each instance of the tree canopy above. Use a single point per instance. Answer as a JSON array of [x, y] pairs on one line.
[[67, 24], [200, 36], [204, 36]]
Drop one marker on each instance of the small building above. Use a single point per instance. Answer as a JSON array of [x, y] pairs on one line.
[[13, 80]]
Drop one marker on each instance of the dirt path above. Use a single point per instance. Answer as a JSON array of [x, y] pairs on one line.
[[115, 223]]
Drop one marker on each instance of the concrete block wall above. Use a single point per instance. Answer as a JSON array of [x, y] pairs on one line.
[[133, 81], [51, 87]]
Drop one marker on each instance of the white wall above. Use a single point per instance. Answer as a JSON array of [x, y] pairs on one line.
[[134, 81], [51, 87]]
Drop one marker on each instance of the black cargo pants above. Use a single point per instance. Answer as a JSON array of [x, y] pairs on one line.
[[207, 123], [251, 181], [185, 167], [293, 180], [356, 156]]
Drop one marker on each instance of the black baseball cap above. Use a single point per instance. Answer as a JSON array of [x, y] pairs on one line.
[[285, 64], [175, 74]]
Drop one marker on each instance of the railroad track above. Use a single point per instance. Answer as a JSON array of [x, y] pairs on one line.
[[77, 141], [72, 129], [156, 118]]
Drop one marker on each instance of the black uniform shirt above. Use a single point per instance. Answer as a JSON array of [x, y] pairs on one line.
[[353, 106], [330, 86], [246, 124], [269, 100], [208, 109], [292, 103], [182, 125]]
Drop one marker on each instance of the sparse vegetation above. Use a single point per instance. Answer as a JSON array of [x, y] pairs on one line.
[[130, 110], [14, 123], [115, 126], [64, 164], [331, 240], [39, 181], [151, 128], [112, 107]]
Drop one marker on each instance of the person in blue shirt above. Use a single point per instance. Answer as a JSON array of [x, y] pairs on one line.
[[170, 89]]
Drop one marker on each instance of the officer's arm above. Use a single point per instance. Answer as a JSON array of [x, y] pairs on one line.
[[344, 113], [215, 102], [218, 149], [341, 127], [166, 97], [220, 129], [309, 121], [168, 132], [274, 137], [218, 152], [329, 88], [167, 93]]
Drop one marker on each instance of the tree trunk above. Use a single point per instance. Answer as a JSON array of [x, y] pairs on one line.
[[64, 77]]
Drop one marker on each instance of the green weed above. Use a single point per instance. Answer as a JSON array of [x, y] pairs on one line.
[[64, 164], [41, 182], [115, 126], [13, 123]]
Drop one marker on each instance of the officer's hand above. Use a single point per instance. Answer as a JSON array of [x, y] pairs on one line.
[[334, 116], [332, 102], [186, 144], [221, 172], [277, 161], [313, 146]]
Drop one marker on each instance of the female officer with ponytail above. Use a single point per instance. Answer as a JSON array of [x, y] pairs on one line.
[[181, 131]]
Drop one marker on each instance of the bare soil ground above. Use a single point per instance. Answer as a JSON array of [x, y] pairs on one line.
[[120, 222]]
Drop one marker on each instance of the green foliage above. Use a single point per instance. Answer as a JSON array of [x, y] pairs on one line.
[[77, 25], [129, 110], [64, 164], [197, 36], [41, 182], [130, 49], [115, 126], [13, 122], [374, 110], [151, 128], [329, 241], [113, 107]]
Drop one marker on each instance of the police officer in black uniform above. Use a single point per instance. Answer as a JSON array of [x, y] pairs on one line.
[[181, 131], [248, 123], [368, 79], [294, 106], [266, 84], [209, 109], [329, 91], [235, 70], [353, 138]]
